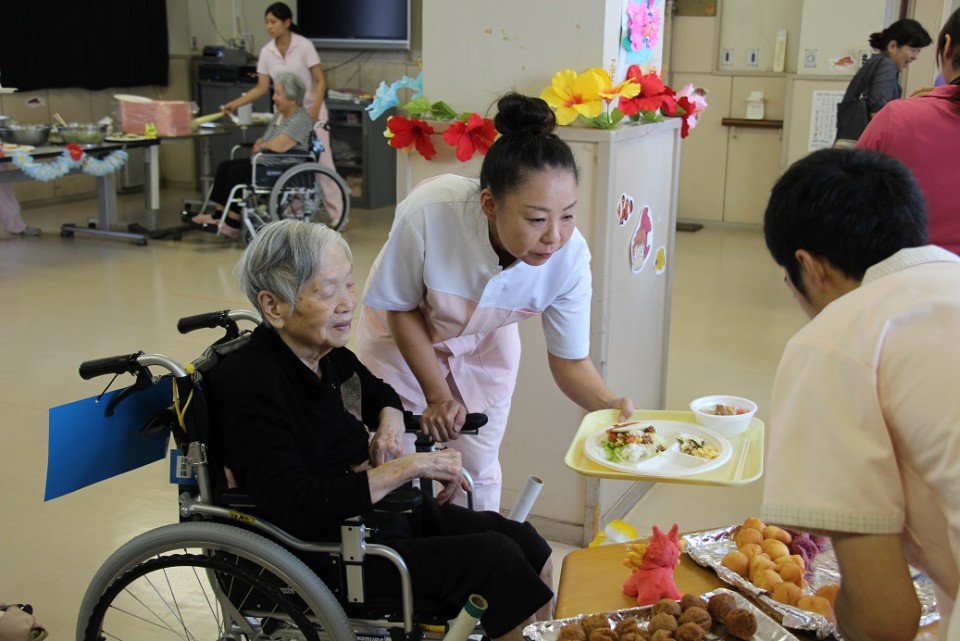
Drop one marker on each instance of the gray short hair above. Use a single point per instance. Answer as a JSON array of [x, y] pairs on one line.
[[293, 87], [284, 256]]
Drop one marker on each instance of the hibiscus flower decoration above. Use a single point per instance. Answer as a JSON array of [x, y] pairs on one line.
[[653, 96], [75, 151], [476, 134], [643, 22], [572, 95], [410, 133], [692, 101]]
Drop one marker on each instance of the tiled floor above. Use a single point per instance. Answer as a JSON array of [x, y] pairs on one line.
[[67, 300]]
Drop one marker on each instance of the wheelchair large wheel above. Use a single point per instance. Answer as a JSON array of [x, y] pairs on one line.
[[312, 192], [208, 581]]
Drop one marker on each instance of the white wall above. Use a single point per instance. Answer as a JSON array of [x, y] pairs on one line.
[[837, 29]]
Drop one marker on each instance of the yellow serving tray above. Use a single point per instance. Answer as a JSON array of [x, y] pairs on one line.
[[745, 466]]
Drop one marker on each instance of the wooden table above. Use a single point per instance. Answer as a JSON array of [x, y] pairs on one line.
[[591, 580]]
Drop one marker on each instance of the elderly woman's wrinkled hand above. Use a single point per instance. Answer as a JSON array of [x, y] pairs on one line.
[[446, 468], [387, 442]]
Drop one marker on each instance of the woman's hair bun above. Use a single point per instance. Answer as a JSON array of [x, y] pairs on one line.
[[518, 114]]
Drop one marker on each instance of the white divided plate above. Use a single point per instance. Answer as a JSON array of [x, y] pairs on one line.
[[670, 463], [129, 97]]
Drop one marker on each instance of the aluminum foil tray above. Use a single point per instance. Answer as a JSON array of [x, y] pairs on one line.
[[708, 549], [767, 628]]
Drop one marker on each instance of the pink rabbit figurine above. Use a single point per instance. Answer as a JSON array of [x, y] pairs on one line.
[[653, 580]]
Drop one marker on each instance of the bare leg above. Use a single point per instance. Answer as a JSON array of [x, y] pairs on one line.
[[545, 613]]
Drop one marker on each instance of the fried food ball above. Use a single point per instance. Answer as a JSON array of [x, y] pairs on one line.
[[817, 604], [792, 573], [691, 600], [628, 625], [740, 623], [666, 606], [747, 535], [774, 548], [662, 621], [593, 622], [604, 634], [661, 635], [699, 616], [758, 564], [790, 559], [736, 561], [720, 605], [829, 592], [572, 632], [689, 632], [778, 533], [786, 593], [767, 580], [639, 635], [753, 523], [750, 550]]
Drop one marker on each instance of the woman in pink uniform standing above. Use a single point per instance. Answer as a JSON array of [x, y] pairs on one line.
[[289, 51], [465, 261]]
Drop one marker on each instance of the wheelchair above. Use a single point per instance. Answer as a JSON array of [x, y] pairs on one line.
[[288, 185], [222, 573]]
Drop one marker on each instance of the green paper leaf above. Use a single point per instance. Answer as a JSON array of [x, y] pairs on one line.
[[417, 107], [442, 111]]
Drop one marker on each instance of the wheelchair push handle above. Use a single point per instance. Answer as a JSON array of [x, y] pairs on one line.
[[226, 319], [126, 363], [474, 421]]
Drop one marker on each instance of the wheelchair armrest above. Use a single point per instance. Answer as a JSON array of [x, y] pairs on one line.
[[236, 498], [401, 499]]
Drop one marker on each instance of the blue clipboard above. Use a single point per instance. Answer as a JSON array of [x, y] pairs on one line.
[[85, 446]]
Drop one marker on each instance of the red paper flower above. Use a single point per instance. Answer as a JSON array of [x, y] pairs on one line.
[[653, 95], [409, 133], [477, 134], [76, 151], [689, 113]]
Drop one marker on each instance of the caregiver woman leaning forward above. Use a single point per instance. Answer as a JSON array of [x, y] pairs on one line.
[[465, 261]]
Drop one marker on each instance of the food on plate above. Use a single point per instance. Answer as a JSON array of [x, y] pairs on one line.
[[747, 535], [817, 604], [697, 446], [689, 632], [759, 563], [829, 592], [767, 580], [720, 605], [662, 621], [627, 444], [750, 550], [806, 546], [593, 622], [630, 624], [697, 616], [603, 634], [774, 548], [793, 573], [741, 623], [786, 593], [753, 523], [790, 559], [572, 632], [724, 410], [736, 561], [662, 635], [666, 606], [691, 600], [639, 635]]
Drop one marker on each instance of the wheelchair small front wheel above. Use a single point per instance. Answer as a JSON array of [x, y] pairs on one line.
[[312, 192]]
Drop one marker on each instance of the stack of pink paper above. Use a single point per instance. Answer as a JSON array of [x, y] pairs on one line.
[[172, 117]]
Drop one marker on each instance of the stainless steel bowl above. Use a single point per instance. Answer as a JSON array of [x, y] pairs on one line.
[[82, 133], [18, 134]]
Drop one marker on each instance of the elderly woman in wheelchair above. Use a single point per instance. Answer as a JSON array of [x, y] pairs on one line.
[[290, 408], [288, 131]]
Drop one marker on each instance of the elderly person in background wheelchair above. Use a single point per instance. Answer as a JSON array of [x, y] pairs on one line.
[[288, 131], [291, 408]]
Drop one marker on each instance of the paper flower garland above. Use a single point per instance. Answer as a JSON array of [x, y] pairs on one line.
[[469, 133], [73, 157], [589, 97]]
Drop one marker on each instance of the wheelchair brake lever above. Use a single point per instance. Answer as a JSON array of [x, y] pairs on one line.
[[144, 381]]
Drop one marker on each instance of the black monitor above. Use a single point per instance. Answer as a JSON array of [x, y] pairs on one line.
[[355, 24]]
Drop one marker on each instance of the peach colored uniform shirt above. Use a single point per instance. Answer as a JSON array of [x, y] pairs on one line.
[[865, 423], [301, 56]]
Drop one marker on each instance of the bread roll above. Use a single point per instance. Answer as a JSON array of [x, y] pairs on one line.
[[750, 549], [778, 533], [829, 592], [817, 604], [792, 573], [736, 561], [747, 535], [753, 523], [666, 606], [741, 623], [786, 593], [759, 563], [774, 548], [767, 580]]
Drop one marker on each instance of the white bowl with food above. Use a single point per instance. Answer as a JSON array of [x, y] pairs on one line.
[[729, 415]]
